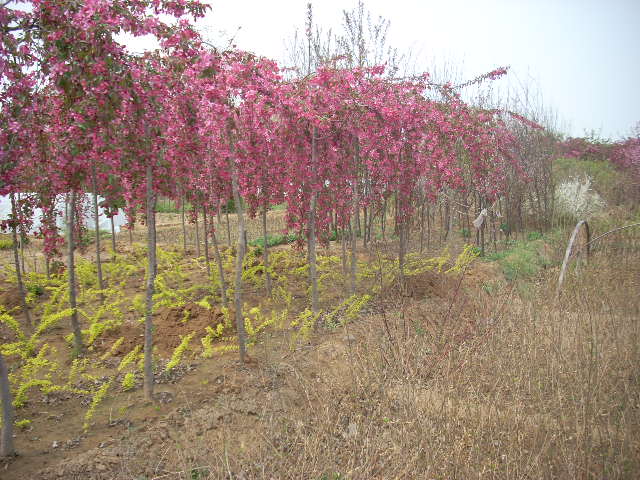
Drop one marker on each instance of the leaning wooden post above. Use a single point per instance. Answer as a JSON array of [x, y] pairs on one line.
[[567, 253]]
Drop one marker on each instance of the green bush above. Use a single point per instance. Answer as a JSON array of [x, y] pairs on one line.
[[523, 259], [532, 236], [6, 243], [89, 236], [273, 240]]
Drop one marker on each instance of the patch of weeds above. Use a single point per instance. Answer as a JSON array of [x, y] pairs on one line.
[[6, 243], [533, 236], [522, 259], [492, 287], [199, 473], [273, 240], [332, 476]]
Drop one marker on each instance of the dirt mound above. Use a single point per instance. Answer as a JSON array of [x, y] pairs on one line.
[[170, 325], [430, 285], [9, 295]]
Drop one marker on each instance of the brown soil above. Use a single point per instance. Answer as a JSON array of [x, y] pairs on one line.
[[171, 324]]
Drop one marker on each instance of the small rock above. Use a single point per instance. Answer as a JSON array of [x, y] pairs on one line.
[[55, 444], [349, 339]]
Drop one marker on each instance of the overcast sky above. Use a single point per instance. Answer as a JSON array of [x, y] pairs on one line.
[[581, 55]]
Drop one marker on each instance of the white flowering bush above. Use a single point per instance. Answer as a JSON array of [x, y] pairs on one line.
[[575, 197]]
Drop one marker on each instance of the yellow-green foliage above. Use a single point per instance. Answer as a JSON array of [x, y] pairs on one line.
[[113, 348], [86, 273], [129, 381], [415, 264], [12, 323], [179, 351], [107, 317], [228, 260], [305, 321], [6, 242], [138, 304], [225, 348], [129, 357], [347, 311], [253, 270], [263, 321], [204, 303], [115, 273], [165, 295], [35, 371], [228, 321], [207, 340], [51, 320], [387, 268], [58, 297], [26, 347], [248, 322], [328, 274], [97, 399], [169, 293], [287, 260], [78, 367], [466, 258], [22, 424], [357, 304]]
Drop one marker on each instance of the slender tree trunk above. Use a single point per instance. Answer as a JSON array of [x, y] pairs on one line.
[[482, 228], [383, 219], [223, 283], [113, 237], [75, 324], [21, 238], [47, 267], [493, 232], [184, 229], [6, 437], [151, 279], [228, 226], [267, 273], [206, 241], [365, 214], [197, 235], [422, 225], [16, 260], [402, 251], [446, 220], [355, 227], [344, 251], [96, 219], [354, 259], [22, 263], [370, 227], [239, 261], [334, 223], [313, 268], [130, 228], [428, 227], [395, 214]]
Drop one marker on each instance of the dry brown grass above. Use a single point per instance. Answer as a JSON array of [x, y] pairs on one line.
[[445, 381], [479, 388]]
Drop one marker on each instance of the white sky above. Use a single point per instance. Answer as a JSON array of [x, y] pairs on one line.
[[581, 55]]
